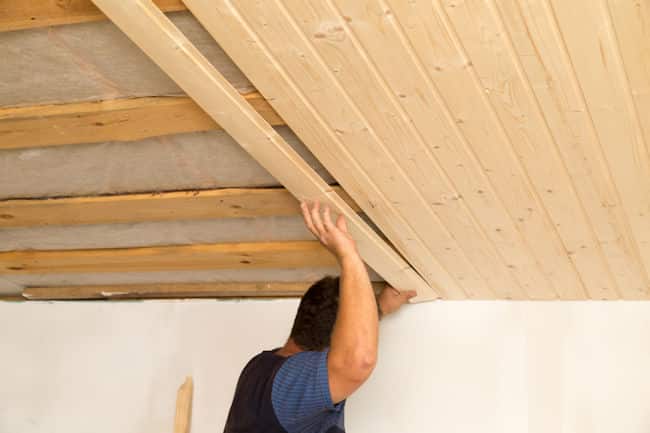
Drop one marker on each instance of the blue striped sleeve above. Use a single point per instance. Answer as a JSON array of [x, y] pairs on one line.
[[301, 394]]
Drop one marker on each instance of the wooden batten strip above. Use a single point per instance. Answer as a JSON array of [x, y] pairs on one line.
[[21, 14], [247, 255], [170, 49], [174, 290], [167, 206], [125, 119], [168, 290]]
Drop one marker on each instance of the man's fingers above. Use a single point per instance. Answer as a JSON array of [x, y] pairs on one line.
[[408, 294], [397, 292], [316, 219], [341, 224], [327, 219], [304, 207]]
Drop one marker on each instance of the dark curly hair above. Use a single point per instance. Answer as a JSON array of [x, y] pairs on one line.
[[312, 327]]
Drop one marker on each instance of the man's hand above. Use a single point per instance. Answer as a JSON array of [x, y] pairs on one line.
[[391, 299], [334, 237]]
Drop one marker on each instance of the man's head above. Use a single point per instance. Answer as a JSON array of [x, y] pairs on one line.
[[316, 315]]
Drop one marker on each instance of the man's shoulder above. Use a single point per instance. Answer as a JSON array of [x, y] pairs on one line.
[[265, 361]]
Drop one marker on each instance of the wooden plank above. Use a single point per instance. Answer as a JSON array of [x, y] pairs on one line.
[[24, 14], [628, 23], [173, 290], [587, 31], [543, 55], [152, 31], [489, 47], [323, 115], [168, 290], [481, 157], [246, 255], [125, 119], [166, 206], [183, 417]]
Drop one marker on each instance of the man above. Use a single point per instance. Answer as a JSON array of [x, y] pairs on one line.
[[330, 353]]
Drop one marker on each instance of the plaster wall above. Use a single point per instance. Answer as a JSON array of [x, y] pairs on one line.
[[501, 367]]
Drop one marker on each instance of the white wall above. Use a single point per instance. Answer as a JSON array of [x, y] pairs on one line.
[[489, 367]]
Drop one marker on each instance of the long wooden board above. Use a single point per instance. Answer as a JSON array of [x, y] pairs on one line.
[[272, 289], [512, 101], [538, 42], [169, 290], [125, 119], [244, 255], [159, 38], [165, 206], [24, 14]]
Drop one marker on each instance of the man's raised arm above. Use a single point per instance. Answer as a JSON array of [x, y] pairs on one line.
[[353, 349]]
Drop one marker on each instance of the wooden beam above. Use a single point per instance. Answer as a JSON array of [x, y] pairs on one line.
[[183, 418], [124, 119], [173, 290], [166, 206], [168, 290], [25, 14], [248, 255], [168, 47]]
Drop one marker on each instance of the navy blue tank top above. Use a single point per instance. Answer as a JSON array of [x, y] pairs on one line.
[[277, 394]]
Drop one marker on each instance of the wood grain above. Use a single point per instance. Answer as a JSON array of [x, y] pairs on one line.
[[126, 119], [165, 206], [171, 290], [168, 290], [25, 14], [178, 257], [539, 45]]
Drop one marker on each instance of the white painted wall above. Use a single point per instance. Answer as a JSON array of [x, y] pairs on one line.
[[489, 367]]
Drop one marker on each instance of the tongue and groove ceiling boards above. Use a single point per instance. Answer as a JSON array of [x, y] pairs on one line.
[[500, 145], [465, 131]]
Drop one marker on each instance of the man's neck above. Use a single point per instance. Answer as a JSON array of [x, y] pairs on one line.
[[289, 348]]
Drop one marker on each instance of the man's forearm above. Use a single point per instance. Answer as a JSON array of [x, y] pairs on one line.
[[354, 337]]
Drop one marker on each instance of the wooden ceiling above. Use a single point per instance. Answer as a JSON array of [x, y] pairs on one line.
[[501, 146]]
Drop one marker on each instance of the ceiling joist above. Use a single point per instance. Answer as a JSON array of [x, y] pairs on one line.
[[168, 290], [166, 206], [242, 255], [173, 290], [124, 119]]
